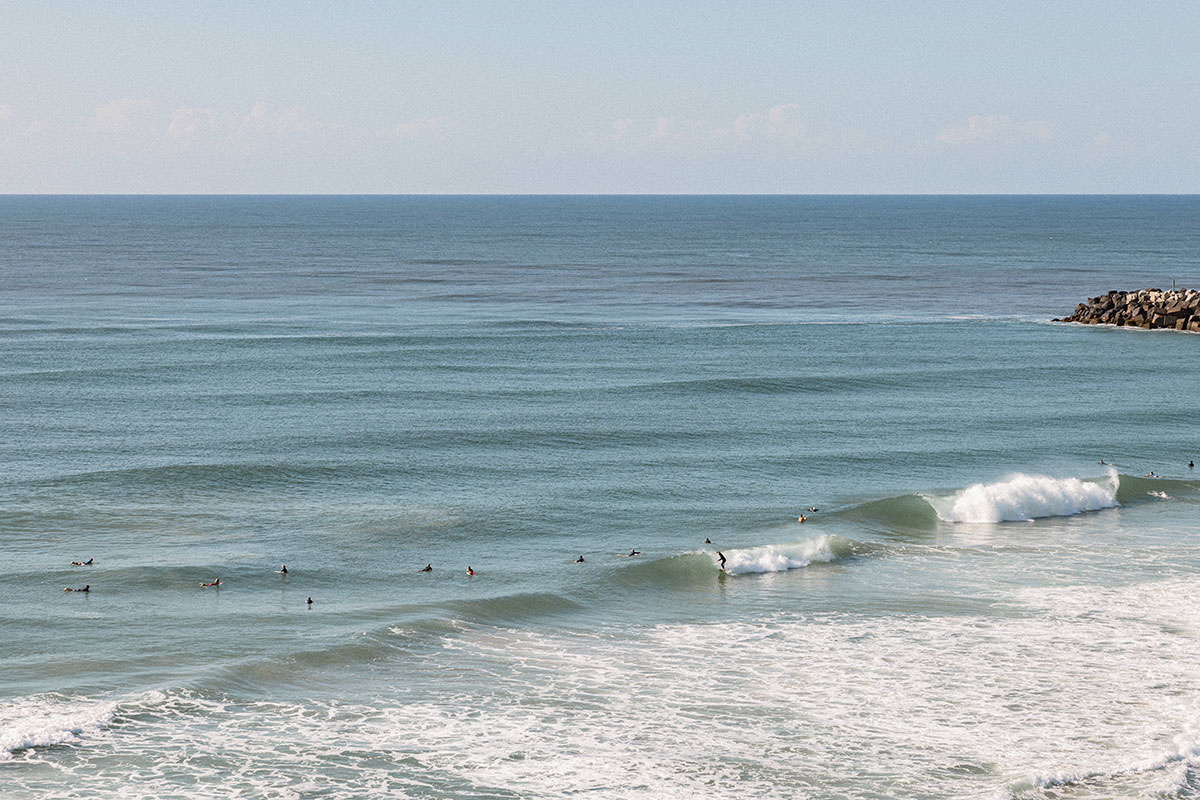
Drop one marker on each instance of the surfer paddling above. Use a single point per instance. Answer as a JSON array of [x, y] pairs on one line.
[[579, 560], [216, 582], [86, 588], [633, 553], [428, 568], [87, 563]]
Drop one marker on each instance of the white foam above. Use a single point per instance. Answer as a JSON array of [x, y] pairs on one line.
[[779, 557], [1079, 686], [48, 720], [1027, 497]]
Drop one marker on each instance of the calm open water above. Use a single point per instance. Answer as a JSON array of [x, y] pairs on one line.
[[204, 387]]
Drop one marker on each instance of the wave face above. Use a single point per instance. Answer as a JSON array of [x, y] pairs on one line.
[[906, 512], [1027, 497]]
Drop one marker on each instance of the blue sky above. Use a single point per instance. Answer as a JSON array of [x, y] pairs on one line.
[[549, 97]]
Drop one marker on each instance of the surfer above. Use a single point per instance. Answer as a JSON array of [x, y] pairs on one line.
[[216, 582], [87, 563], [283, 570], [802, 519], [428, 568], [813, 509], [1102, 461], [633, 553], [470, 572], [1191, 465], [706, 540], [308, 602], [721, 558], [579, 560], [86, 588]]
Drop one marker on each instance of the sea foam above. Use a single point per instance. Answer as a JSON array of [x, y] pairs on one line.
[[48, 720], [1027, 497]]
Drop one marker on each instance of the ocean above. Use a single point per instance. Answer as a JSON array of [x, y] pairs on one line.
[[194, 388]]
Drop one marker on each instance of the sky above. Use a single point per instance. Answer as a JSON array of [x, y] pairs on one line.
[[698, 97]]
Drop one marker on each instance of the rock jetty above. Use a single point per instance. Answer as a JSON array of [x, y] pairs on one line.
[[1177, 309]]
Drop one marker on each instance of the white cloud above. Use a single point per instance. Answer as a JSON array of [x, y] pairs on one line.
[[623, 129], [128, 116], [995, 130], [191, 123], [263, 121], [437, 127], [781, 122], [188, 122], [780, 125]]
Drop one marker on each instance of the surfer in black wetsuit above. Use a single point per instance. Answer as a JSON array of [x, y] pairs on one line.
[[470, 572], [579, 560], [428, 568], [87, 588], [308, 602], [283, 569], [87, 563], [721, 558], [1191, 465], [706, 541], [633, 553]]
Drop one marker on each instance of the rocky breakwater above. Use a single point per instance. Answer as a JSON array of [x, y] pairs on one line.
[[1177, 309]]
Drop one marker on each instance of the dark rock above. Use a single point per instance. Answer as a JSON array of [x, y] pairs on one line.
[[1178, 309]]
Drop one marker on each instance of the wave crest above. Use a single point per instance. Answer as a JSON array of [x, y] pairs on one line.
[[1027, 497], [782, 557]]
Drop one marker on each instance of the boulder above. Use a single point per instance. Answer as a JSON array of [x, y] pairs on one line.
[[1177, 309]]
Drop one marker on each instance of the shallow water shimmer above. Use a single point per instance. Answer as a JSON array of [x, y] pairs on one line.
[[194, 388]]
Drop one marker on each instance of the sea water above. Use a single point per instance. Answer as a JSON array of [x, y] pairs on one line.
[[195, 388]]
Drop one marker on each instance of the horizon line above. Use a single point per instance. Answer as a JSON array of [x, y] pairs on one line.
[[597, 194]]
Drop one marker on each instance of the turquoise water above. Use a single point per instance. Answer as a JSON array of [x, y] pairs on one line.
[[194, 388]]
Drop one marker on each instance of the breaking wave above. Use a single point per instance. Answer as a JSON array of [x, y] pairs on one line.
[[697, 567], [48, 720], [1027, 497], [783, 557]]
